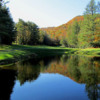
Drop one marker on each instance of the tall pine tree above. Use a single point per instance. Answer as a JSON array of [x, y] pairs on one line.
[[6, 25]]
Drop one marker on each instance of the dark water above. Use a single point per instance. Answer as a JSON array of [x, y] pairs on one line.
[[52, 78]]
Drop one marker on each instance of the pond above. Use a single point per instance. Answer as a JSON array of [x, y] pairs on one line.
[[52, 78]]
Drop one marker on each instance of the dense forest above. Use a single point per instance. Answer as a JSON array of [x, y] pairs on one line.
[[80, 32]]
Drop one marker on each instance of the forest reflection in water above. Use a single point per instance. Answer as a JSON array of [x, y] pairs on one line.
[[80, 69]]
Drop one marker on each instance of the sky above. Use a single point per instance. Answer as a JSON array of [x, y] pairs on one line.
[[47, 13]]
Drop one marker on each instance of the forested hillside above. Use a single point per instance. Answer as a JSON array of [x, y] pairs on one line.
[[65, 34], [81, 31], [62, 29], [57, 33]]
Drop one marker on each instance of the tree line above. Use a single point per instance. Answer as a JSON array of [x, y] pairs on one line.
[[80, 33], [86, 33], [23, 33]]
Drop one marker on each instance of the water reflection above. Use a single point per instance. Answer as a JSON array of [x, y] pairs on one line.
[[7, 81], [30, 70], [81, 69]]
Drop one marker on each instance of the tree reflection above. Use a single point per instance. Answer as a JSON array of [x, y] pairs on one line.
[[92, 81], [81, 69], [29, 70], [92, 87], [86, 70], [73, 69], [7, 81]]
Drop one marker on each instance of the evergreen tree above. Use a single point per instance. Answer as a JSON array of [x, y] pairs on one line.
[[6, 25]]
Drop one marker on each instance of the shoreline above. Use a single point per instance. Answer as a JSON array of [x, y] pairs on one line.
[[13, 53]]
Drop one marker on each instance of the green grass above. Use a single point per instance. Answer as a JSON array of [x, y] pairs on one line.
[[88, 51], [17, 52]]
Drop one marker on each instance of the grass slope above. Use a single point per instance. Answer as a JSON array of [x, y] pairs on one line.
[[15, 53]]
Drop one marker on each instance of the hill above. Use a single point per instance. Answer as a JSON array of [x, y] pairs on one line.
[[60, 31]]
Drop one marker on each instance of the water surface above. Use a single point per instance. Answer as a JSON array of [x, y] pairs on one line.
[[52, 78]]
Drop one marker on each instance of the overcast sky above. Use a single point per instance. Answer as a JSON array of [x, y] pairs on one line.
[[47, 13]]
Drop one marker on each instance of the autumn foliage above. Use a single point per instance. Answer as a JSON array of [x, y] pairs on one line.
[[59, 32]]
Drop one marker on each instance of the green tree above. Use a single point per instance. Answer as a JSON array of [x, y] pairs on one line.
[[41, 35], [20, 27], [87, 33], [6, 25], [72, 34], [27, 33], [33, 33], [91, 8], [63, 42]]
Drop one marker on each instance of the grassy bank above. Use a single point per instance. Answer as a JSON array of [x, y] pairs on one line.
[[89, 52], [10, 54], [16, 52]]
